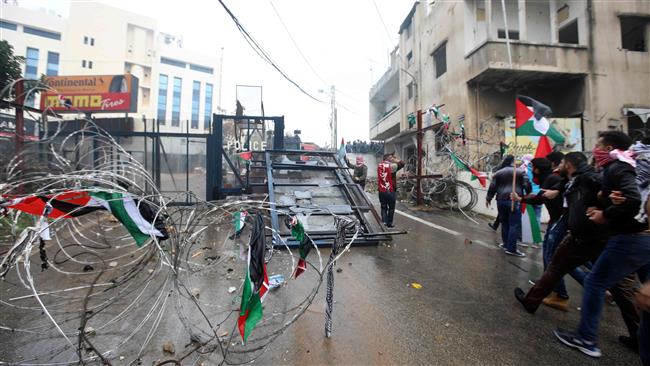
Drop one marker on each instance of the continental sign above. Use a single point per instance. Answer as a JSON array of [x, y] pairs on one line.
[[92, 93]]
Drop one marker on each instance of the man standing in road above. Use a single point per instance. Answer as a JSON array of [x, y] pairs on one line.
[[387, 182], [501, 186]]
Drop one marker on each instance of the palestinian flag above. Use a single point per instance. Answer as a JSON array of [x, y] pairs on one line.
[[298, 233], [239, 221], [246, 155], [256, 283], [530, 231], [482, 177], [530, 120], [342, 151], [77, 203]]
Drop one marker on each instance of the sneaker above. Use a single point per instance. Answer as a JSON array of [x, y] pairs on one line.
[[516, 253], [525, 245], [532, 282], [502, 246], [493, 227], [556, 302], [521, 296], [629, 342], [390, 226], [574, 341]]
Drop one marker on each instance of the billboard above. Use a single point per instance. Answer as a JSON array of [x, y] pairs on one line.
[[91, 93], [570, 128]]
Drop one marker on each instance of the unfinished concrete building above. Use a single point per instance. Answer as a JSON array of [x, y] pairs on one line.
[[588, 60]]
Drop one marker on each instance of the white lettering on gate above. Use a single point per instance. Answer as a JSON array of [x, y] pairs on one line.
[[238, 146]]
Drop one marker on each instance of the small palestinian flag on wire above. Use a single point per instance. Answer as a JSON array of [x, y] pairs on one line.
[[298, 233], [245, 156], [256, 284], [139, 219], [530, 120], [342, 151], [482, 177], [239, 221]]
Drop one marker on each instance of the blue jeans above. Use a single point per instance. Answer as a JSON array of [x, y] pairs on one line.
[[510, 224], [644, 338], [623, 255], [554, 235]]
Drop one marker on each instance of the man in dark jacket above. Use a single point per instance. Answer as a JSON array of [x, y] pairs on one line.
[[586, 239], [509, 214], [627, 250]]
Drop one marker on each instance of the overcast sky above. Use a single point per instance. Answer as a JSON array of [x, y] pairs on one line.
[[343, 40]]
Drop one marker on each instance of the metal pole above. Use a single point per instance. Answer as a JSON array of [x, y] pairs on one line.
[[187, 162], [418, 179], [505, 24], [20, 118], [333, 118]]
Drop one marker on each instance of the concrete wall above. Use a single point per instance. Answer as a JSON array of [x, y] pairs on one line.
[[620, 78]]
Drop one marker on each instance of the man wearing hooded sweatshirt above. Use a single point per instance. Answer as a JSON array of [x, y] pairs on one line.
[[627, 250], [556, 229], [586, 239]]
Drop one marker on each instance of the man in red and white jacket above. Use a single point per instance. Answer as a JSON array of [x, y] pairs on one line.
[[387, 183]]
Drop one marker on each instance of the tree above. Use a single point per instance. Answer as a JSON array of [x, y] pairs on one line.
[[10, 66]]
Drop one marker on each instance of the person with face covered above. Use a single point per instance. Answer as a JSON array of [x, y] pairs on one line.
[[547, 181], [360, 171], [586, 239], [627, 250]]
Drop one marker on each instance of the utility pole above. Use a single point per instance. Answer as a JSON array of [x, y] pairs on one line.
[[220, 82], [333, 122]]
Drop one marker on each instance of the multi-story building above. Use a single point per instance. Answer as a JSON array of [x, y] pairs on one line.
[[585, 59], [178, 88], [385, 114]]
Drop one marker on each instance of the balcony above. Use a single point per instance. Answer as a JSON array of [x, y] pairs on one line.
[[387, 126], [488, 63], [386, 87]]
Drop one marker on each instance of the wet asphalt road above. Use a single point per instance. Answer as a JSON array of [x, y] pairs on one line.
[[464, 314]]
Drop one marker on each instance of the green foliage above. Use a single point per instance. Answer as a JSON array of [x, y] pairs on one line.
[[10, 65]]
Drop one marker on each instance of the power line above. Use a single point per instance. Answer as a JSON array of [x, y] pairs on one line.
[[261, 52], [384, 23], [296, 43]]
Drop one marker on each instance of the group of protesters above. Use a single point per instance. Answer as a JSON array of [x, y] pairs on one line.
[[598, 233], [363, 147]]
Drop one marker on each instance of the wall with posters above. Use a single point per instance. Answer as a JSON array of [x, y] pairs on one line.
[[571, 128]]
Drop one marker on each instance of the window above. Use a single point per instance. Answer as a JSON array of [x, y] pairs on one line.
[[205, 69], [162, 98], [207, 115], [569, 33], [169, 61], [83, 63], [31, 72], [633, 33], [92, 41], [85, 40], [176, 102], [42, 33], [90, 64], [409, 58], [8, 25], [440, 59], [409, 91], [512, 34], [52, 64], [196, 99], [31, 63]]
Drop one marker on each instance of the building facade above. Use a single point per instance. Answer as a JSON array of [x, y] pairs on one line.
[[177, 88], [585, 59]]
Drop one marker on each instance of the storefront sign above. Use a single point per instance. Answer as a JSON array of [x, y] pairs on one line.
[[92, 93]]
